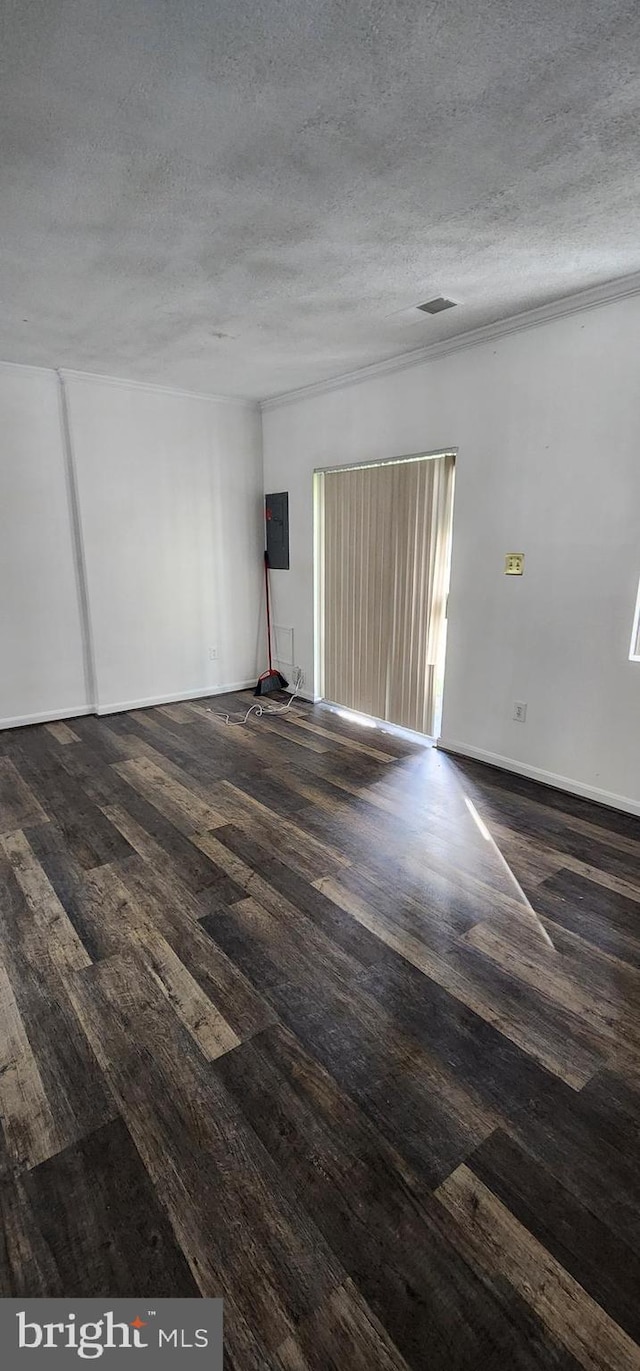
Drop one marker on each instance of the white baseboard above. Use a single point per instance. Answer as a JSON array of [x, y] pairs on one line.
[[46, 716], [121, 706], [535, 773]]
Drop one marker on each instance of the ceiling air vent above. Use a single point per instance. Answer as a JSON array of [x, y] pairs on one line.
[[436, 306]]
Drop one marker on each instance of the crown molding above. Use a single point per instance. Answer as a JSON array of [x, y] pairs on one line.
[[28, 367], [68, 374], [154, 388], [596, 296]]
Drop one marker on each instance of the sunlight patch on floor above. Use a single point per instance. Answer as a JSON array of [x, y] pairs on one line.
[[504, 863]]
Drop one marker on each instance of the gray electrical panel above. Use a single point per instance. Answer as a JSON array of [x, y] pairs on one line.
[[277, 518]]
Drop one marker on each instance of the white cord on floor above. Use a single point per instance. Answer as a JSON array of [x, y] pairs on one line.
[[259, 710]]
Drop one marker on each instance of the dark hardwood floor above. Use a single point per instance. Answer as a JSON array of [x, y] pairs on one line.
[[276, 1024]]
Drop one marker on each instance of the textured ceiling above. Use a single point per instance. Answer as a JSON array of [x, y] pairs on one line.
[[245, 196]]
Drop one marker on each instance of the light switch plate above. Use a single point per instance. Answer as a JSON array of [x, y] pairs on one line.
[[514, 564]]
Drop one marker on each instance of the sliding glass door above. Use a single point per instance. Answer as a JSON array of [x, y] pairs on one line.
[[383, 542]]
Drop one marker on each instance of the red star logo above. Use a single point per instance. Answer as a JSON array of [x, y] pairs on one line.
[[138, 1322]]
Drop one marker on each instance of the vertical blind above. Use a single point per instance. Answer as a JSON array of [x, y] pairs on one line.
[[384, 543]]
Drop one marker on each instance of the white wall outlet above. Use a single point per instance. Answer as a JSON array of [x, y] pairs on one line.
[[213, 654], [520, 711]]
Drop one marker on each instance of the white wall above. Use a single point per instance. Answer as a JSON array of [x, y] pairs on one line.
[[547, 426], [170, 494], [170, 504], [41, 649]]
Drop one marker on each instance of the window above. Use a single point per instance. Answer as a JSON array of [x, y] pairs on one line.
[[634, 650]]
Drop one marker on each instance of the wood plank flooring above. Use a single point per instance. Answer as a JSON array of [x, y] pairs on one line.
[[276, 1024]]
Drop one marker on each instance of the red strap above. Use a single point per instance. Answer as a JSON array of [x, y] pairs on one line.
[[266, 588]]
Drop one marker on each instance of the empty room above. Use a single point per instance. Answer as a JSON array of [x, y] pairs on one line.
[[320, 684]]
